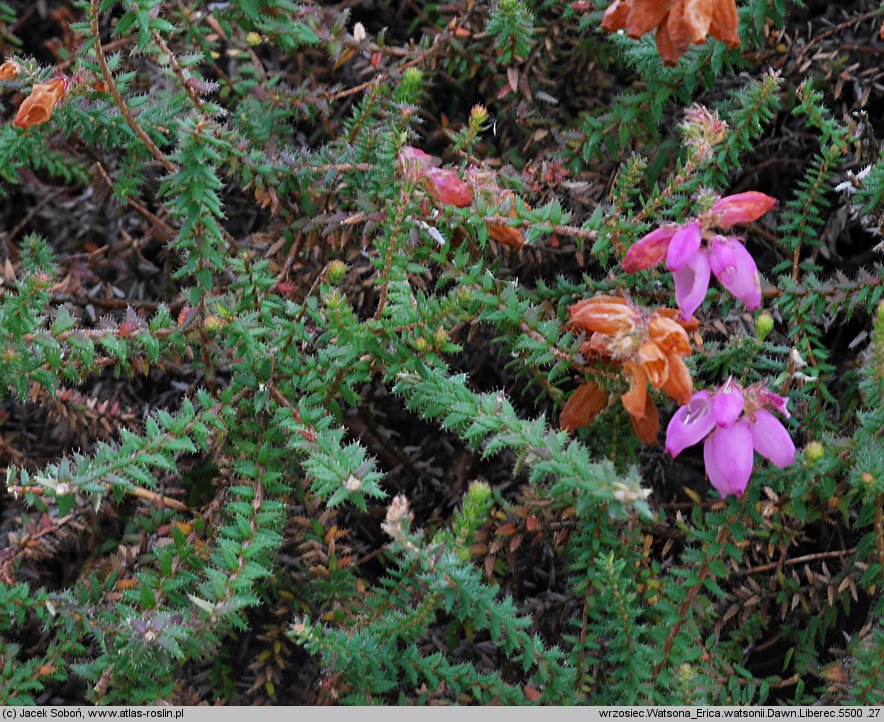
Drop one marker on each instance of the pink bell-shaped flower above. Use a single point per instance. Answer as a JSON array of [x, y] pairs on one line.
[[727, 453], [684, 246], [771, 439], [692, 252], [691, 284], [690, 425], [734, 422], [735, 269]]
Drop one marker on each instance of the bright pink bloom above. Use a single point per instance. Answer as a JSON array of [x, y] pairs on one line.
[[727, 453], [734, 422], [727, 404], [771, 440], [742, 208], [692, 261], [690, 425], [735, 269], [684, 246], [691, 284]]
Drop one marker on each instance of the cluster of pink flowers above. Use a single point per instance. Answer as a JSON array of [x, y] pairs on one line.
[[692, 262], [734, 422]]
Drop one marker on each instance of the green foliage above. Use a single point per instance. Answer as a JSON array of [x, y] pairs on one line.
[[511, 25]]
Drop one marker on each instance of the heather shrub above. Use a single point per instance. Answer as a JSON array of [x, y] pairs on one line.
[[404, 353]]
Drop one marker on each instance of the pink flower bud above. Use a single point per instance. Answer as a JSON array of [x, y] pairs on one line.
[[742, 208], [649, 250]]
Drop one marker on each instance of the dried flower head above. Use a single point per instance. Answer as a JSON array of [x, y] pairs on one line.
[[398, 517], [583, 406], [484, 181], [501, 232], [703, 130], [9, 70], [649, 345], [679, 23]]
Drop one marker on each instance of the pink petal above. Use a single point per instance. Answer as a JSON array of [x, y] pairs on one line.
[[690, 424], [649, 250], [446, 187], [727, 454], [742, 208], [771, 439], [735, 268], [727, 404], [684, 246], [691, 284]]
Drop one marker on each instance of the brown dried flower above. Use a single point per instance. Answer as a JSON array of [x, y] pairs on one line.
[[649, 346], [37, 108], [679, 23], [9, 70]]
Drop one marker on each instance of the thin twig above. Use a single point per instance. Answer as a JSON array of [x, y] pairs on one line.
[[137, 491], [799, 560], [179, 73], [153, 218], [118, 99]]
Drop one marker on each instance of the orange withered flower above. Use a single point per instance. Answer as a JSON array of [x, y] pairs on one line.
[[679, 23], [501, 232], [584, 405], [37, 108], [649, 346], [9, 70]]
